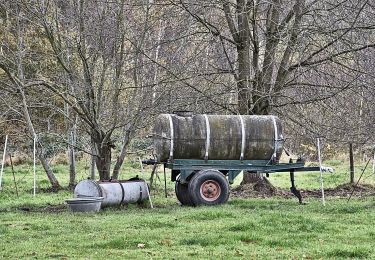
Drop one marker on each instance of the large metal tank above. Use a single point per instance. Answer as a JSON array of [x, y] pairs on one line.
[[113, 193], [217, 137]]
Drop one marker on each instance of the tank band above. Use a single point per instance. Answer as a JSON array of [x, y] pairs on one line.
[[140, 195], [243, 137], [100, 191], [275, 138], [172, 137], [208, 133], [122, 194]]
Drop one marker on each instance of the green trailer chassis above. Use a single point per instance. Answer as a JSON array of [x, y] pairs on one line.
[[232, 168], [183, 170]]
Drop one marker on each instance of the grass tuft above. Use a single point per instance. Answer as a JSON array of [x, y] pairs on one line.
[[347, 253], [211, 214], [242, 226]]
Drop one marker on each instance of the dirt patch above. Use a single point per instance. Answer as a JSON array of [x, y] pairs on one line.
[[255, 191], [52, 189], [47, 209], [342, 191], [54, 208]]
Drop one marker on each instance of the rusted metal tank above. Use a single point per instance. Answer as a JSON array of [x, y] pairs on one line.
[[217, 137], [113, 193]]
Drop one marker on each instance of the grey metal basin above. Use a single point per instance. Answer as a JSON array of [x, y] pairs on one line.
[[86, 204]]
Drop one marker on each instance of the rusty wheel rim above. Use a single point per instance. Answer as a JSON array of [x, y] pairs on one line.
[[210, 190]]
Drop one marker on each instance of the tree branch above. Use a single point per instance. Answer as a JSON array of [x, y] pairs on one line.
[[230, 21]]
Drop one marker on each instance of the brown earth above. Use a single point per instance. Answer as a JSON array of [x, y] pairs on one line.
[[49, 208], [341, 191]]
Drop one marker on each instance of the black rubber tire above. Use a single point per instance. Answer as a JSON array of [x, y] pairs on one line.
[[182, 194], [207, 176]]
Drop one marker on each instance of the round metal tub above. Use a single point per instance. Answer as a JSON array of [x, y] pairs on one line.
[[86, 204]]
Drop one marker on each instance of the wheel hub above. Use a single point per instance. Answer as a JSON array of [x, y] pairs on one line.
[[210, 190]]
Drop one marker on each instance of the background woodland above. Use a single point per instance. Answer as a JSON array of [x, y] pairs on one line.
[[89, 77]]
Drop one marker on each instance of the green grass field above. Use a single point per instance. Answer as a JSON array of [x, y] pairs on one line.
[[274, 228]]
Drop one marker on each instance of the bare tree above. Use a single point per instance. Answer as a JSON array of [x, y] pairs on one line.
[[115, 64], [17, 78], [276, 48], [99, 72]]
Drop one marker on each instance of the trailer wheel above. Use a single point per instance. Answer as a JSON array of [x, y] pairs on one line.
[[208, 187], [182, 194]]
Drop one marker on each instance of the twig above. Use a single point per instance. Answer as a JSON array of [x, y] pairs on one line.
[[2, 164], [351, 194]]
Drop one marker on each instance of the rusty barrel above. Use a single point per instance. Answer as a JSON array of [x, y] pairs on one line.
[[217, 137]]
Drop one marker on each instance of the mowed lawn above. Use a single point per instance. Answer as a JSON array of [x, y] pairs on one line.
[[243, 228]]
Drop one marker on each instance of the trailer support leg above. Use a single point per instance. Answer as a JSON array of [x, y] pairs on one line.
[[293, 189]]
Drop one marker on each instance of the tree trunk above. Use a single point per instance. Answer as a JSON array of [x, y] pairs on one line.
[[51, 176], [243, 85], [251, 177], [261, 107], [103, 163], [103, 158], [72, 161], [93, 165], [247, 102], [72, 137], [243, 59], [121, 157]]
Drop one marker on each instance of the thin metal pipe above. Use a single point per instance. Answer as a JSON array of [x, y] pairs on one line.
[[165, 183], [34, 154], [321, 173], [373, 163]]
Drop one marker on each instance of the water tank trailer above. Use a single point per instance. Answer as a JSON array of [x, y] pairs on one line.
[[205, 153]]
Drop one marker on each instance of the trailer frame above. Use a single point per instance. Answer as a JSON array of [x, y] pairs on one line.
[[184, 168]]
